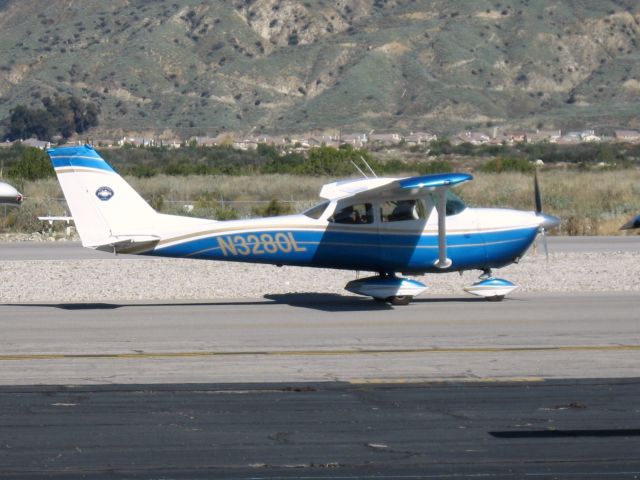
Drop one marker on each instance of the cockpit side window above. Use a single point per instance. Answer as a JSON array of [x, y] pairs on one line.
[[353, 214], [454, 204], [402, 210]]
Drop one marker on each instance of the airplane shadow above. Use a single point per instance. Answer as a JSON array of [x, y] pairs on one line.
[[327, 302]]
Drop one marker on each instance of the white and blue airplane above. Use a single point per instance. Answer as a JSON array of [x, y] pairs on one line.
[[9, 195], [633, 223], [393, 227]]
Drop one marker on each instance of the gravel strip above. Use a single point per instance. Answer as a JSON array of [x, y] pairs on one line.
[[181, 279]]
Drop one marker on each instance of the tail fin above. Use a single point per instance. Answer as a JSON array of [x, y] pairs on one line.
[[105, 209]]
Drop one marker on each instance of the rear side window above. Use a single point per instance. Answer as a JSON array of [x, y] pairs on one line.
[[402, 210]]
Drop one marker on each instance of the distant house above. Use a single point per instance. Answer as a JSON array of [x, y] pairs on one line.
[[579, 136], [419, 138], [475, 138], [631, 136], [275, 140], [550, 136], [320, 140], [384, 138], [206, 141], [104, 143], [245, 144], [35, 143], [137, 141], [173, 143], [299, 142], [590, 136], [358, 140], [570, 138], [514, 137], [314, 141]]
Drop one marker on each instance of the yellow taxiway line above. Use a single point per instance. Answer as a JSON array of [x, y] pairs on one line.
[[304, 353]]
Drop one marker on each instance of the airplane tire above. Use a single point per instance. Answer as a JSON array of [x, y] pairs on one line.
[[495, 298], [400, 299]]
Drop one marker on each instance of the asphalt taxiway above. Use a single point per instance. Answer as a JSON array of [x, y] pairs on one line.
[[567, 429], [318, 337]]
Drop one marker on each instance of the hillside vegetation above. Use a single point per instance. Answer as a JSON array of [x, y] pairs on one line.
[[591, 198], [193, 67]]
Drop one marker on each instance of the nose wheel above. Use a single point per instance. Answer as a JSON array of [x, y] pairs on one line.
[[491, 288]]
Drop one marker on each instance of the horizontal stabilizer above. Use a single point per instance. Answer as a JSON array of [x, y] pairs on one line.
[[129, 245]]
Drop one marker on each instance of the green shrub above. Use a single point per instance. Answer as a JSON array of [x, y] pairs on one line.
[[507, 164], [225, 213], [435, 166], [32, 165], [272, 209]]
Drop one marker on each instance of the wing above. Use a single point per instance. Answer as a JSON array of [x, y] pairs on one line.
[[389, 186], [417, 186]]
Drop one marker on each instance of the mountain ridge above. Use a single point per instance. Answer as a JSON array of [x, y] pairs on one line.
[[206, 67]]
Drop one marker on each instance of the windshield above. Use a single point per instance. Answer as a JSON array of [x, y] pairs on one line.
[[454, 204], [317, 211]]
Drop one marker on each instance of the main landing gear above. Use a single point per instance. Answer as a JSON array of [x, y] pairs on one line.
[[386, 287]]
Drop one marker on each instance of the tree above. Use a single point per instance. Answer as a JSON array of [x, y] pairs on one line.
[[33, 165], [60, 116]]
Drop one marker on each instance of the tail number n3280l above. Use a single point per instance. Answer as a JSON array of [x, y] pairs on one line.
[[254, 244]]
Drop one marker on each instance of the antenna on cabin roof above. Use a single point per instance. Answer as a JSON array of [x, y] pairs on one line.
[[369, 167], [359, 169]]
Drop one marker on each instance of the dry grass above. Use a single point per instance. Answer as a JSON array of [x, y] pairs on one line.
[[589, 203]]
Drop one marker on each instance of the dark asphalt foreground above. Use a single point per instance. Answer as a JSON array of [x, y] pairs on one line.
[[553, 429]]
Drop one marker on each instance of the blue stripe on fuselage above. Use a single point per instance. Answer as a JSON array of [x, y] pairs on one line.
[[357, 251]]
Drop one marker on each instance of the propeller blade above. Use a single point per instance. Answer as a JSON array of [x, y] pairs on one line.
[[536, 192], [544, 242]]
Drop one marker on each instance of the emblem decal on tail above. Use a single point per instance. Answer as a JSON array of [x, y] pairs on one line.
[[104, 193]]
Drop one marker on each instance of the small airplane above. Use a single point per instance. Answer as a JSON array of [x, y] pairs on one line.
[[633, 223], [9, 195], [391, 226]]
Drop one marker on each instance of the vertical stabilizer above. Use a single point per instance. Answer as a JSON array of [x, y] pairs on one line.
[[105, 209]]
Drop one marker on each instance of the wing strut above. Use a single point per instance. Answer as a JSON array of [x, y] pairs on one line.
[[441, 206]]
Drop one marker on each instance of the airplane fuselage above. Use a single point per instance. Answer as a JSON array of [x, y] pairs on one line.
[[476, 239]]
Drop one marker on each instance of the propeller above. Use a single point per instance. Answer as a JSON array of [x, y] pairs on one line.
[[546, 221]]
